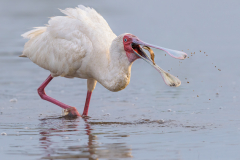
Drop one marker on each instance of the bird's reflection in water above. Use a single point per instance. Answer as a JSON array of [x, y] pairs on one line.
[[54, 128]]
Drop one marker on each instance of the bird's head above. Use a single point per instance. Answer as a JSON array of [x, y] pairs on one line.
[[133, 47]]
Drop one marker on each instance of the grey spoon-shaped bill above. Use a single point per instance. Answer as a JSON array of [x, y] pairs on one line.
[[169, 79], [171, 52]]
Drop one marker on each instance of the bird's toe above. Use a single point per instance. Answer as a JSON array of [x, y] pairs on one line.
[[72, 111]]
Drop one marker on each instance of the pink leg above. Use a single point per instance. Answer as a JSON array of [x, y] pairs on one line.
[[72, 110], [85, 111]]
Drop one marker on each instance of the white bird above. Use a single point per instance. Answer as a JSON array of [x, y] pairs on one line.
[[81, 44]]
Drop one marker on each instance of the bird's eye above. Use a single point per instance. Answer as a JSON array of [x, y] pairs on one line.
[[125, 40]]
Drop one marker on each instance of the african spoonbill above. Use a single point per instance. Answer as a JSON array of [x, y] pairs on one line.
[[81, 44]]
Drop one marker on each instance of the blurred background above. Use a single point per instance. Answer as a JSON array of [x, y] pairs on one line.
[[147, 120]]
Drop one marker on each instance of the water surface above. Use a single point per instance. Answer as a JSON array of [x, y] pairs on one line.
[[147, 120]]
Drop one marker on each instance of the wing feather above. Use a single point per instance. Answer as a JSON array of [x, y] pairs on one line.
[[61, 46], [35, 32]]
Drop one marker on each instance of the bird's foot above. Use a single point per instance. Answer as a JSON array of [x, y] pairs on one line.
[[71, 112]]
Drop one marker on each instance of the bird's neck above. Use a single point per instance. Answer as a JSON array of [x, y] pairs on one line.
[[116, 74]]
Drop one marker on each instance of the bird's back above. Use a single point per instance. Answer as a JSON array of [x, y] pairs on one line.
[[65, 46]]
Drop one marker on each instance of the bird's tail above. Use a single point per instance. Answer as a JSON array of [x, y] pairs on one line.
[[34, 33], [22, 55]]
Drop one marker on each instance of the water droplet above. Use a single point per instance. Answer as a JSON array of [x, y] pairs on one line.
[[161, 121], [3, 133], [94, 156], [13, 100]]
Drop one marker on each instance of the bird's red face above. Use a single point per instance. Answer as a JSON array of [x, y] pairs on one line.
[[133, 47], [129, 47]]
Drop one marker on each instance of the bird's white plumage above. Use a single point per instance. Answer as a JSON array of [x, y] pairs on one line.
[[80, 44]]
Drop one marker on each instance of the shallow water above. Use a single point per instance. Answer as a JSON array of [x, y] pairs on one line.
[[147, 120]]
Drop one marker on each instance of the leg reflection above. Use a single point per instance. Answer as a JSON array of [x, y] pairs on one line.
[[55, 131]]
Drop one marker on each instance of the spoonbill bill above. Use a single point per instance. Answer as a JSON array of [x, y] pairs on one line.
[[81, 44]]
